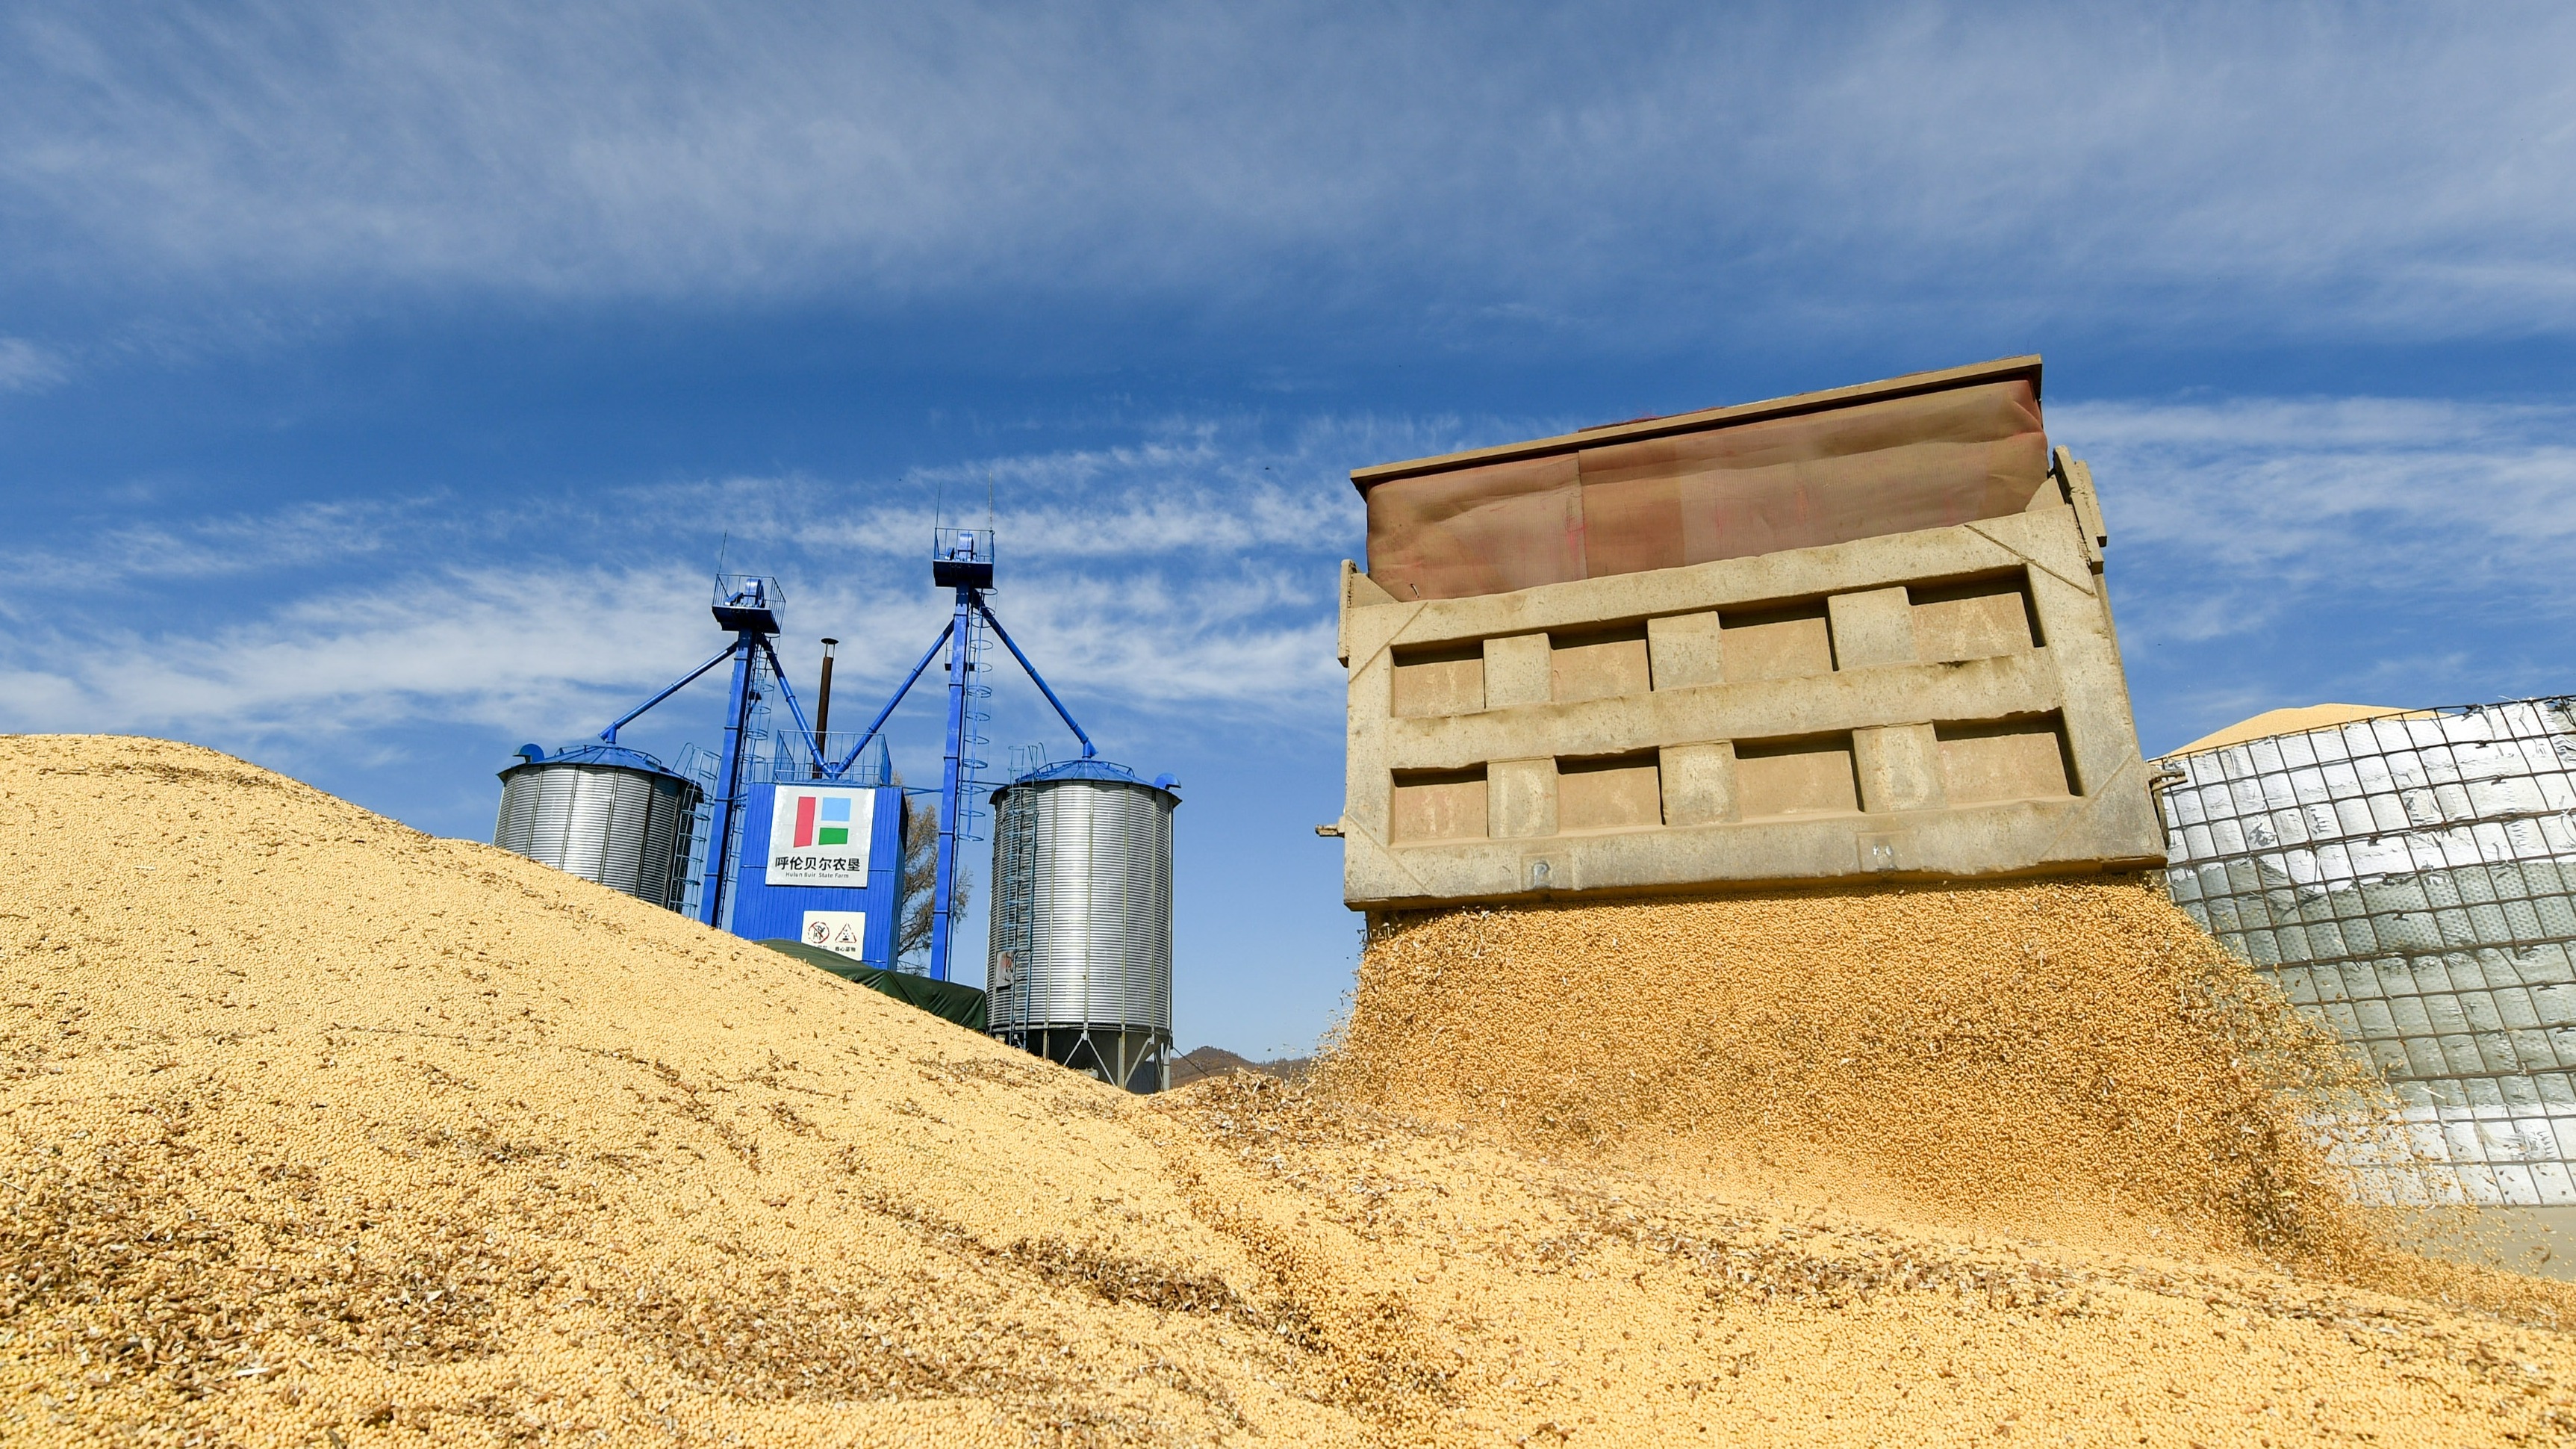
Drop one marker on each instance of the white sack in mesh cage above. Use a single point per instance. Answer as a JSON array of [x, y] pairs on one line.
[[2410, 879]]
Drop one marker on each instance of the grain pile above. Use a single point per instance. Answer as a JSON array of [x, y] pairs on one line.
[[2035, 1055], [314, 1130]]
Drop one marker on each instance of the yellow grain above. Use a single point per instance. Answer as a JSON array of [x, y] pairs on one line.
[[316, 1130]]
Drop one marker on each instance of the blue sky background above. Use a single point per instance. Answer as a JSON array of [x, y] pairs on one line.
[[377, 382]]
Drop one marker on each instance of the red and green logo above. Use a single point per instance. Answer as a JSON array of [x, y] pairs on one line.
[[818, 836], [822, 821]]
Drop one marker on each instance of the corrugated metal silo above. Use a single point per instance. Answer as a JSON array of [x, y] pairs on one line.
[[1080, 954], [2410, 878], [604, 813]]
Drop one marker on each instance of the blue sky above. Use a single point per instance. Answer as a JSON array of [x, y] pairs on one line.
[[378, 383]]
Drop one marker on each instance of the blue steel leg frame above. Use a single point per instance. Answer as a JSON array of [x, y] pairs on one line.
[[886, 713], [787, 692], [609, 735], [943, 891], [1035, 678], [957, 636], [720, 828]]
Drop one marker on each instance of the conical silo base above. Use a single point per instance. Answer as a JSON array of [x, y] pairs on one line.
[[1137, 1059]]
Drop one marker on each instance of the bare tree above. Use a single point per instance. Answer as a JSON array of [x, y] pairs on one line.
[[921, 881]]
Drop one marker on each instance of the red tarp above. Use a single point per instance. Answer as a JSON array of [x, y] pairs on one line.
[[1871, 468]]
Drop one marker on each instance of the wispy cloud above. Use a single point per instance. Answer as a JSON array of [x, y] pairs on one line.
[[1147, 587], [218, 546], [26, 367], [2404, 166], [2263, 504], [449, 645], [2284, 551], [1182, 581], [1194, 490]]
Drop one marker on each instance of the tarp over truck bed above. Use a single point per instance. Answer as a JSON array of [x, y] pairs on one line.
[[1929, 450]]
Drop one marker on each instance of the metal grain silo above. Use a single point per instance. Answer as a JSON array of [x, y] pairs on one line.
[[2410, 878], [1080, 956], [604, 813]]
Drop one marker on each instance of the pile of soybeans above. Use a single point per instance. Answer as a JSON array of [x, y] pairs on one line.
[[315, 1130]]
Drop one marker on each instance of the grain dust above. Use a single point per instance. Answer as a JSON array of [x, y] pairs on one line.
[[315, 1130], [2000, 1054]]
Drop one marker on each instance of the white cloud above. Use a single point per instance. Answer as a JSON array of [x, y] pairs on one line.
[[222, 546], [1144, 585], [2401, 165], [1196, 493], [2245, 512], [441, 645], [1183, 581], [1191, 493], [26, 367]]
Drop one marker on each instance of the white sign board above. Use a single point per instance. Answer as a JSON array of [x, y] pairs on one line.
[[843, 931], [818, 835]]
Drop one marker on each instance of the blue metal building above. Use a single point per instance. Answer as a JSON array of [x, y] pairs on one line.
[[797, 839], [821, 863], [783, 842]]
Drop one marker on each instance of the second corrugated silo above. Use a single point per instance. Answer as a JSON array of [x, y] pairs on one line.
[[604, 813], [1080, 958]]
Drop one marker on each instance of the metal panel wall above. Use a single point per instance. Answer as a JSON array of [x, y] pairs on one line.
[[625, 828], [1912, 650], [1082, 907], [2411, 880], [762, 911]]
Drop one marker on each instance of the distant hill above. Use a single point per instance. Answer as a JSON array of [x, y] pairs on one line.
[[1210, 1061]]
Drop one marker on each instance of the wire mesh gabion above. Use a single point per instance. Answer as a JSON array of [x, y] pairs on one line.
[[2410, 879]]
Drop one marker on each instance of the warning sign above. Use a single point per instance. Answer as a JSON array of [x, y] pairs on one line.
[[818, 836], [845, 932]]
